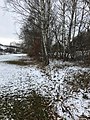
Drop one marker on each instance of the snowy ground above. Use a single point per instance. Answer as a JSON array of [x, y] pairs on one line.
[[51, 81]]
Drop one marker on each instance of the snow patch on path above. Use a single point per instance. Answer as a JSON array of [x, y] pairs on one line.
[[49, 81]]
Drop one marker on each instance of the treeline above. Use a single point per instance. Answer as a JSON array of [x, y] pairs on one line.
[[54, 28]]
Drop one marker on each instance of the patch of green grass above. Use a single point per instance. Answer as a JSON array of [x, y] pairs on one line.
[[24, 62], [18, 62]]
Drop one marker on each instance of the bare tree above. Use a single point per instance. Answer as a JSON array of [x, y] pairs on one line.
[[36, 11], [57, 20]]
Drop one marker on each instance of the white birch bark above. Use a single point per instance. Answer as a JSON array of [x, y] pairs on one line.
[[44, 33]]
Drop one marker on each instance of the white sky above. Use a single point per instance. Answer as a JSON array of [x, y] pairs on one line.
[[7, 27]]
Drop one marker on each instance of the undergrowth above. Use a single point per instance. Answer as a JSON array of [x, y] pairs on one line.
[[30, 107]]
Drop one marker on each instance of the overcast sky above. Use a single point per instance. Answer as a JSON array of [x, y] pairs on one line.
[[8, 28]]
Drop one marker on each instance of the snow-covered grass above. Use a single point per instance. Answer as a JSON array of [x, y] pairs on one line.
[[9, 57], [52, 80]]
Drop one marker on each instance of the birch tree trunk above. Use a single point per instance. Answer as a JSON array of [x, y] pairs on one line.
[[44, 32], [81, 21], [74, 3], [63, 30]]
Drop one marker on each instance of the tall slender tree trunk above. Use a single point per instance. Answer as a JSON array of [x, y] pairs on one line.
[[81, 21], [74, 30], [44, 33], [63, 31], [71, 25]]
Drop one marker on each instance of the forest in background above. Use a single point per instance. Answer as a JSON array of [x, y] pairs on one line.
[[54, 28]]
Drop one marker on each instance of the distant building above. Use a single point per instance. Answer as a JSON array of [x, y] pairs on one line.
[[12, 48], [14, 44]]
